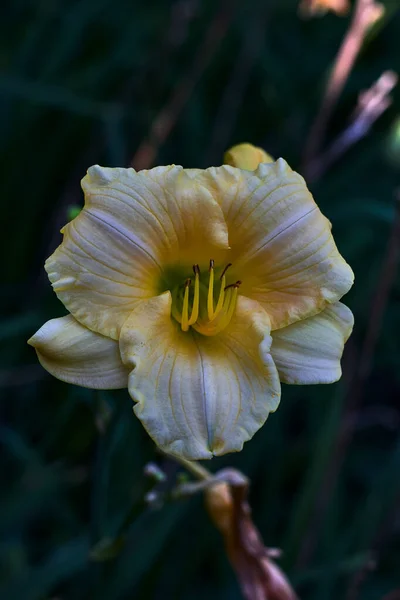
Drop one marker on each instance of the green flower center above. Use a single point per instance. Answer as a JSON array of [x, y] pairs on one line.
[[207, 304]]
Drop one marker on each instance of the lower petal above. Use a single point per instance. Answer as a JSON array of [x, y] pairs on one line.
[[74, 354], [198, 396], [309, 351]]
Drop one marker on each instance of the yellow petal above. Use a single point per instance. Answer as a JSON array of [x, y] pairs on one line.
[[76, 355], [133, 226], [197, 395], [246, 156], [310, 351], [281, 245]]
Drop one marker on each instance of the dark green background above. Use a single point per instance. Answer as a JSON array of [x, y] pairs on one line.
[[81, 82]]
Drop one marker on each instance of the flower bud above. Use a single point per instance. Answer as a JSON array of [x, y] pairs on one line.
[[246, 156]]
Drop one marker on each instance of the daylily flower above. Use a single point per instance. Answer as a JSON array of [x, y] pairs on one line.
[[199, 291]]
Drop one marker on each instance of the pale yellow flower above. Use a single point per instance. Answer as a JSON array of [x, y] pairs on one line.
[[199, 291]]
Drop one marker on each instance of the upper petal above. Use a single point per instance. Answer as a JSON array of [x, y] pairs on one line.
[[132, 227], [309, 351], [72, 353], [196, 395], [281, 245]]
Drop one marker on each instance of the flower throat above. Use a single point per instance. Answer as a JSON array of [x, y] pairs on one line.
[[207, 304]]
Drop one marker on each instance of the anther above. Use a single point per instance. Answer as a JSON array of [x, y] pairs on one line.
[[211, 265], [196, 269], [225, 270], [233, 285]]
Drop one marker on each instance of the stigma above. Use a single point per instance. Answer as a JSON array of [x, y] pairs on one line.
[[207, 304]]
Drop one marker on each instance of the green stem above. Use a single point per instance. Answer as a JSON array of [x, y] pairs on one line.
[[193, 467]]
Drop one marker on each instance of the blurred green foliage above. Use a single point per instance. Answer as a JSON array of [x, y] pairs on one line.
[[81, 82]]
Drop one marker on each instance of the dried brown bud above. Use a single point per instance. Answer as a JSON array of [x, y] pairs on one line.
[[315, 8], [259, 577]]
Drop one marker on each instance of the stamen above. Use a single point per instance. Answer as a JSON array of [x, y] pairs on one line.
[[196, 298], [221, 296], [227, 301], [229, 307], [219, 312], [235, 285], [232, 304], [210, 297], [185, 308], [220, 302]]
